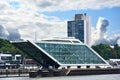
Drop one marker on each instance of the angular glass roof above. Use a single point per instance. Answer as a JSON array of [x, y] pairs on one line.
[[71, 54], [61, 52]]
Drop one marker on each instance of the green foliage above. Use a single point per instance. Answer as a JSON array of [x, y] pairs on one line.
[[117, 51], [6, 46], [107, 52]]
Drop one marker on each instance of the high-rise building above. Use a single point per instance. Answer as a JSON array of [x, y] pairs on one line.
[[80, 28]]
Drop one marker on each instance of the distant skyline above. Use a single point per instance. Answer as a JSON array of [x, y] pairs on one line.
[[49, 18]]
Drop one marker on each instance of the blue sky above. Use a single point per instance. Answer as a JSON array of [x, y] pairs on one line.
[[111, 14], [50, 16]]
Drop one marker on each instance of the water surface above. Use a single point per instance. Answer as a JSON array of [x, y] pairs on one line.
[[87, 77]]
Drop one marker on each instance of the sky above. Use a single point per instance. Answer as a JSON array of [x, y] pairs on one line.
[[111, 14], [22, 19]]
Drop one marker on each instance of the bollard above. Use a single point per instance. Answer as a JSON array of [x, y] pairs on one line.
[[6, 72], [19, 71]]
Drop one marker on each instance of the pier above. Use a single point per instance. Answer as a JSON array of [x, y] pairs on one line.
[[72, 72]]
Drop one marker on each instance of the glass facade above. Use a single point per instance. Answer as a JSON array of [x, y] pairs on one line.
[[58, 53], [76, 29], [71, 53], [36, 54]]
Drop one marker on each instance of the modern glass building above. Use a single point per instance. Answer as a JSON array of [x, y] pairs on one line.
[[62, 53], [80, 28]]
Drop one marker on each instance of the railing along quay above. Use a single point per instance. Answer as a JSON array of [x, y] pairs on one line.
[[15, 72]]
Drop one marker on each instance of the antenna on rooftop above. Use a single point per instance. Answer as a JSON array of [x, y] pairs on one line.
[[35, 36]]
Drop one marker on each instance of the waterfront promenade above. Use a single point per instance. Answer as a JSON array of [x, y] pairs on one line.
[[52, 73], [15, 72]]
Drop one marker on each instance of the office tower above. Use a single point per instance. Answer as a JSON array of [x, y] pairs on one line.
[[80, 28]]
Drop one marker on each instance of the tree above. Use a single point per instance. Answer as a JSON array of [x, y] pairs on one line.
[[117, 50], [6, 46], [107, 52]]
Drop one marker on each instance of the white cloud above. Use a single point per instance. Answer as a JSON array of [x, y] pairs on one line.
[[63, 5], [29, 21], [27, 16], [3, 32], [99, 35], [118, 42]]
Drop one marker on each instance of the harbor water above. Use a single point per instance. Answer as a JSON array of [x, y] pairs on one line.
[[83, 77]]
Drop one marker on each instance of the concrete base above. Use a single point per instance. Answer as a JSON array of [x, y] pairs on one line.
[[33, 74], [93, 71], [71, 72]]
